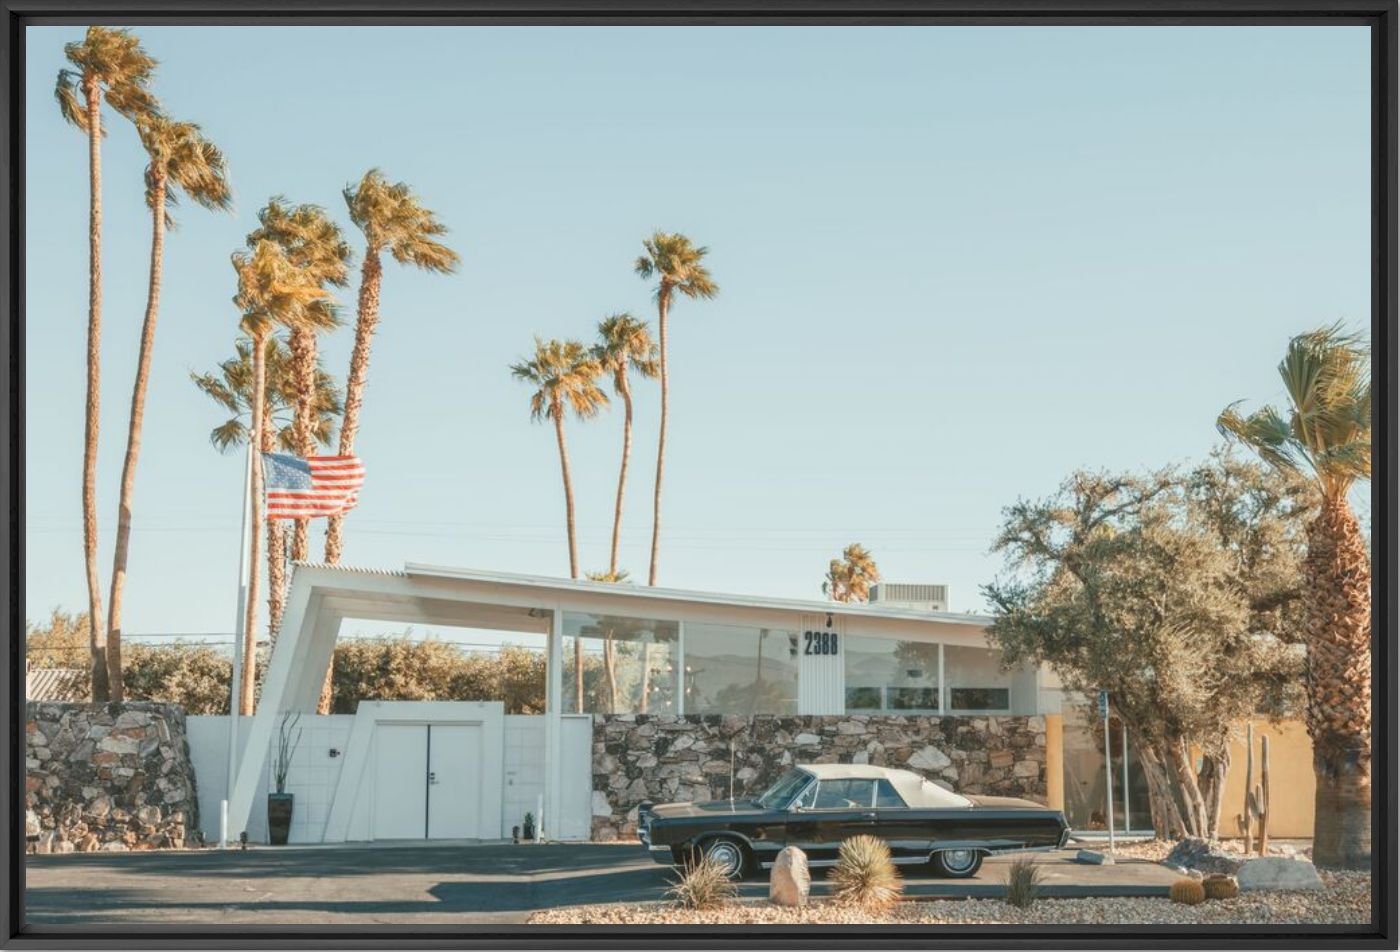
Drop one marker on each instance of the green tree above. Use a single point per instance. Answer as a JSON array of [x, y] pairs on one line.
[[109, 65], [624, 344], [272, 293], [182, 161], [1325, 435], [395, 222], [1126, 584], [848, 579], [231, 387], [565, 377], [678, 266]]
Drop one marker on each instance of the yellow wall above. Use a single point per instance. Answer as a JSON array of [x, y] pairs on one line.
[[1055, 761], [1291, 782]]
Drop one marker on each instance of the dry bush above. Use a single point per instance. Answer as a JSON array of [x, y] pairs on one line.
[[400, 669], [864, 874], [1022, 883], [703, 884]]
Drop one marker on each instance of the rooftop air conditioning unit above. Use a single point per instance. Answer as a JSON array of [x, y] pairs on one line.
[[929, 598]]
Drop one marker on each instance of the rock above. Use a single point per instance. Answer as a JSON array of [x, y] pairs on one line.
[[63, 846], [31, 823], [114, 847], [791, 880], [45, 842], [1196, 853], [1026, 768], [1278, 873], [1093, 858], [601, 805], [929, 758], [807, 740]]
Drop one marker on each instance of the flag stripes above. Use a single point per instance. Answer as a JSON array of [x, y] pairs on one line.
[[309, 488]]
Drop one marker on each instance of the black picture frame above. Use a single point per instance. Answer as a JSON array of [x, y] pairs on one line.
[[1379, 15]]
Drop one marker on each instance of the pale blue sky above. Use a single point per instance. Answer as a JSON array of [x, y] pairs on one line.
[[956, 264]]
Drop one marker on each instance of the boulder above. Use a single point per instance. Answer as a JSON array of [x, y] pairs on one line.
[[1196, 853], [1278, 873], [1093, 858], [791, 880], [929, 758]]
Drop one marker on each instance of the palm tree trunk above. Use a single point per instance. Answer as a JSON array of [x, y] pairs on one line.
[[367, 319], [302, 346], [97, 635], [626, 390], [250, 625], [133, 439], [558, 414], [276, 543], [663, 303], [1337, 573]]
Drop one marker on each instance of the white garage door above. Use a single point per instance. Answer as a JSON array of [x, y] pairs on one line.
[[427, 782]]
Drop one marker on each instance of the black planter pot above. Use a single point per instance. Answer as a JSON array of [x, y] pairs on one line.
[[279, 817]]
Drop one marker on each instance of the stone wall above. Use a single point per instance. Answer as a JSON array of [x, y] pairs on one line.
[[108, 777], [665, 758]]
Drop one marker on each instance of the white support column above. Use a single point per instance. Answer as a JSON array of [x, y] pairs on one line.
[[680, 666], [553, 717], [942, 682]]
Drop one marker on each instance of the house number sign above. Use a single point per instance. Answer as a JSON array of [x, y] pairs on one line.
[[820, 643]]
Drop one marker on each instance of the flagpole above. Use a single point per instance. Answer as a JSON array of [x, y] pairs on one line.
[[240, 615]]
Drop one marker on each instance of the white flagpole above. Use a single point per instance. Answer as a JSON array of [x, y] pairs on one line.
[[241, 615]]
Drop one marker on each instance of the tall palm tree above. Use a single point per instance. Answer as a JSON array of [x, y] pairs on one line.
[[181, 161], [624, 344], [848, 579], [677, 266], [1325, 434], [111, 65], [272, 292], [393, 220], [565, 377], [231, 387], [313, 243]]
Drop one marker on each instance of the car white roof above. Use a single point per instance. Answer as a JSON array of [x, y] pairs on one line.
[[916, 791]]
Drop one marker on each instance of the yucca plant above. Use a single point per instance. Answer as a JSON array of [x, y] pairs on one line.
[[1022, 883], [864, 875], [703, 883], [1187, 891]]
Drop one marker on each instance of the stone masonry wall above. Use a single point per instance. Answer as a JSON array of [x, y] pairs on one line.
[[108, 777], [665, 758]]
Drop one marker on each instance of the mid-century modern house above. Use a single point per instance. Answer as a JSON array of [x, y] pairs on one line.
[[681, 695]]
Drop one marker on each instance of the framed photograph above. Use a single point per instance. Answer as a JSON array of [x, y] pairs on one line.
[[806, 473]]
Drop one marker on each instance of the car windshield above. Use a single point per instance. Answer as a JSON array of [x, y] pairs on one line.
[[786, 787]]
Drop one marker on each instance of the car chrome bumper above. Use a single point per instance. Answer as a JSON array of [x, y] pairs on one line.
[[661, 854]]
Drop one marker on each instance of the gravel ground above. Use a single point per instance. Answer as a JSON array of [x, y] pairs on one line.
[[1346, 900]]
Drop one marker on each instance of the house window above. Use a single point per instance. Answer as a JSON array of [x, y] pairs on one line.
[[887, 675], [729, 669], [976, 682], [629, 664]]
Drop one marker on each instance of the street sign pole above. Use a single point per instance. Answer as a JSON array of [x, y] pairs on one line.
[[1107, 765]]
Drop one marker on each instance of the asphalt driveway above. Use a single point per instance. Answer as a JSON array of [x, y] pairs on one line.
[[420, 883]]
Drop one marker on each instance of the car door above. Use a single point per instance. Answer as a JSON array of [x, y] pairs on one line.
[[908, 832], [831, 812]]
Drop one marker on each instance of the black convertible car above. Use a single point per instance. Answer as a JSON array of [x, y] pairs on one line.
[[816, 806]]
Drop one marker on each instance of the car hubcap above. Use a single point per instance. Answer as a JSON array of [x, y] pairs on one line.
[[959, 860], [726, 855]]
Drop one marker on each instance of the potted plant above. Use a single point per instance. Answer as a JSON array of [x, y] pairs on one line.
[[279, 804]]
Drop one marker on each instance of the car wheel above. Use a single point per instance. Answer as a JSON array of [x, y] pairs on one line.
[[731, 856], [957, 863]]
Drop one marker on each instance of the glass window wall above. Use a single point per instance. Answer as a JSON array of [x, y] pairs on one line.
[[976, 683], [622, 665], [730, 669], [883, 675]]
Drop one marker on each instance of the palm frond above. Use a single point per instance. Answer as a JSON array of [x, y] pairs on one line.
[[70, 104]]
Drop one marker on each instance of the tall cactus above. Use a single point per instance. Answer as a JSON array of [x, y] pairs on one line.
[[1256, 797], [1246, 819]]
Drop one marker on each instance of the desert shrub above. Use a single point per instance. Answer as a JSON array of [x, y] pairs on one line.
[[195, 676], [1022, 883], [702, 883], [864, 875], [1220, 886], [1187, 891]]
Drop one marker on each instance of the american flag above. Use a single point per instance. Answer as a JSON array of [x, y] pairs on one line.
[[307, 488]]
